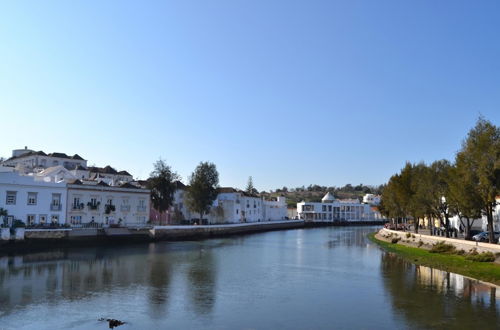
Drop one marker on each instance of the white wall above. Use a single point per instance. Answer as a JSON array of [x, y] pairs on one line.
[[128, 205], [22, 185]]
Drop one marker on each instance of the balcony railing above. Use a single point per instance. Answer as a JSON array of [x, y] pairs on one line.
[[141, 209], [78, 206], [55, 207]]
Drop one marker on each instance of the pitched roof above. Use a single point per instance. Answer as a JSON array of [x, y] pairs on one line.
[[226, 190], [102, 183], [128, 185], [77, 156], [58, 155], [124, 173]]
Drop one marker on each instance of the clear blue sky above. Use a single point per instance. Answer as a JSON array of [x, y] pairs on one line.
[[289, 92]]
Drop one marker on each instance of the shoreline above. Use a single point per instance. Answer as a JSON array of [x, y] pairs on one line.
[[37, 240], [487, 272]]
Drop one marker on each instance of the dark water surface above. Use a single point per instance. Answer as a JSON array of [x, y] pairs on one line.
[[322, 278]]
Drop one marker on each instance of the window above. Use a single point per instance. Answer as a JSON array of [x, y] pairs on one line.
[[11, 198], [30, 219], [32, 198], [76, 219], [42, 218], [237, 211], [54, 218], [324, 208], [56, 199], [110, 202]]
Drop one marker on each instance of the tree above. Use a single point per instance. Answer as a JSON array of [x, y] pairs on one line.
[[162, 184], [250, 188], [480, 157], [202, 190], [462, 197]]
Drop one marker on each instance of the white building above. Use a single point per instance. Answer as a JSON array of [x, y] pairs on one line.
[[331, 210], [371, 199], [32, 201], [99, 204], [30, 160], [230, 206], [69, 192]]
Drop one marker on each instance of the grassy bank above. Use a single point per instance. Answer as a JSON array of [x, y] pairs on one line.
[[484, 271]]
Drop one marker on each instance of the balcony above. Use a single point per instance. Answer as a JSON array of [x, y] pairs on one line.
[[93, 206], [55, 207], [77, 206], [141, 208]]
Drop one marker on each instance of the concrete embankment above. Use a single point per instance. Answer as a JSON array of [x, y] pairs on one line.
[[414, 239], [343, 223], [28, 239], [197, 232]]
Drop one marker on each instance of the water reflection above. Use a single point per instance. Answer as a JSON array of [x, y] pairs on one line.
[[319, 278], [202, 278], [433, 299], [77, 274]]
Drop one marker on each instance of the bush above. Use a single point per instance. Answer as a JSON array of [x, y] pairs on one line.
[[420, 243], [481, 257], [408, 235], [18, 223], [442, 247], [395, 240], [460, 252]]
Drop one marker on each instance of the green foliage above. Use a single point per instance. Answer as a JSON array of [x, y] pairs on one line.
[[466, 188], [162, 183], [18, 224], [489, 272], [481, 257], [395, 240], [250, 189], [442, 247], [202, 190]]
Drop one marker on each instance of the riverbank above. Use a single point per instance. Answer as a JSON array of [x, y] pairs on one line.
[[484, 271], [36, 239]]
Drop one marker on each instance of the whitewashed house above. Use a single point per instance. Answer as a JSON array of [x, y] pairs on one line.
[[371, 199], [32, 201], [31, 160], [230, 206], [99, 205], [275, 209], [331, 210]]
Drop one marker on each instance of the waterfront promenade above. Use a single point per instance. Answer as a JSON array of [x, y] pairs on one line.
[[460, 244]]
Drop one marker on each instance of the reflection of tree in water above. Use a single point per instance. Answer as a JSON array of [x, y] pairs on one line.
[[341, 236], [434, 299], [159, 280], [202, 277]]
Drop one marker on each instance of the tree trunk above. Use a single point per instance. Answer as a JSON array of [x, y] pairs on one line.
[[447, 224], [431, 224], [489, 217], [201, 218], [416, 225]]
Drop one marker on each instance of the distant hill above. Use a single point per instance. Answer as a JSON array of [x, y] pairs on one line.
[[314, 193]]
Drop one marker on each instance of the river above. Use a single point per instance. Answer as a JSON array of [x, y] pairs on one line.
[[321, 278]]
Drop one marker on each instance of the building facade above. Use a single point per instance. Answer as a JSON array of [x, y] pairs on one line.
[[31, 201], [332, 210]]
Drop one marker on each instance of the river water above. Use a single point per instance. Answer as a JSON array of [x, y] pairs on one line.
[[322, 278]]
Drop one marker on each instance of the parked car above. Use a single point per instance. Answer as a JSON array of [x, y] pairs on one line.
[[484, 236]]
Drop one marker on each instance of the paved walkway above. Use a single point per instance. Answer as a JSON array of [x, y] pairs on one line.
[[460, 244]]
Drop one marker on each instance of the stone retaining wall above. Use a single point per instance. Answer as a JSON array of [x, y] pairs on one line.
[[183, 232], [460, 244], [46, 233]]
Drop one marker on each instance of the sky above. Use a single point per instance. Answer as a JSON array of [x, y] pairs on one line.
[[289, 92]]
